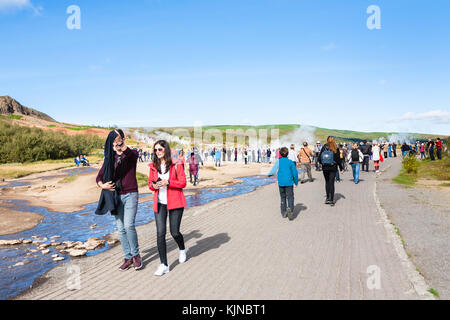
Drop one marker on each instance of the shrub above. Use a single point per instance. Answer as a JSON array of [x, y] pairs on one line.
[[410, 164], [23, 144]]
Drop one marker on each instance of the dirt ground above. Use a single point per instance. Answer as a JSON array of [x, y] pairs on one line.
[[12, 221]]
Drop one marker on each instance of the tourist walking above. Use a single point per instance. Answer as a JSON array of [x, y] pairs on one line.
[[366, 150], [355, 158], [329, 159], [304, 158], [342, 162], [167, 180], [317, 149], [235, 154], [385, 150], [287, 175], [292, 154], [117, 178], [390, 150], [194, 161], [217, 156], [439, 148], [422, 151], [376, 151], [394, 149], [405, 150]]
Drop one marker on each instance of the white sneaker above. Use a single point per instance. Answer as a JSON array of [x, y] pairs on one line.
[[162, 269], [182, 256]]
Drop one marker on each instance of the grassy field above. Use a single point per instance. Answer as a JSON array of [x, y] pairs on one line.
[[427, 170]]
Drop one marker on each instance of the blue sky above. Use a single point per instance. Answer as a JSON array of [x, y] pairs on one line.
[[181, 62]]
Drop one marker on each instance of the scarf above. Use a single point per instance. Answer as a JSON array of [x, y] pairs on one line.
[[109, 200]]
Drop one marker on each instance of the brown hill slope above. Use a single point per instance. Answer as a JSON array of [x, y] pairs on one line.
[[9, 106]]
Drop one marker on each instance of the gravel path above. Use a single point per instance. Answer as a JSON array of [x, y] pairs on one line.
[[241, 248], [423, 217]]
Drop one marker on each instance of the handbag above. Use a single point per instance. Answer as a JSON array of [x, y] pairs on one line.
[[381, 157]]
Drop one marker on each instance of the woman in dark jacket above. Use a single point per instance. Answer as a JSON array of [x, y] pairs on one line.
[[330, 160], [117, 178]]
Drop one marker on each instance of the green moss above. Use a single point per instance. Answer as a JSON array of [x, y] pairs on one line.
[[15, 117]]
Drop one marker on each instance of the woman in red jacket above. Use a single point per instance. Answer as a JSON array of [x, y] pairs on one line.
[[167, 180]]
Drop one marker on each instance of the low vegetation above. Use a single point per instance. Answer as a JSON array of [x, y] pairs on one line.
[[23, 144], [414, 170]]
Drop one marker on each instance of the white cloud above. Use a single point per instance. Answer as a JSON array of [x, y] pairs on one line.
[[435, 116], [16, 5]]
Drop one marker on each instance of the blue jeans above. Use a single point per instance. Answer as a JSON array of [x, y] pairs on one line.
[[125, 220], [355, 169]]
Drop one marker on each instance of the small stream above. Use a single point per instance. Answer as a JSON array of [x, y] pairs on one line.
[[75, 226]]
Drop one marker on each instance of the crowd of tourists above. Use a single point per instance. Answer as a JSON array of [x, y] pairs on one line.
[[167, 179]]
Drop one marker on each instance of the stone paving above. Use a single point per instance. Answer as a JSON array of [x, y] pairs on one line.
[[241, 248]]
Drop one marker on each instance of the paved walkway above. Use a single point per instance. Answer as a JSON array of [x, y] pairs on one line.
[[241, 248], [423, 217]]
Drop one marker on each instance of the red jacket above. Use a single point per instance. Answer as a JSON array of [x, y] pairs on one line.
[[177, 181]]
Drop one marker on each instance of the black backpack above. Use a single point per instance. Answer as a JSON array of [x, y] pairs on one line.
[[355, 155]]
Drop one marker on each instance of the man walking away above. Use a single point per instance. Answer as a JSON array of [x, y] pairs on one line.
[[366, 150], [304, 157]]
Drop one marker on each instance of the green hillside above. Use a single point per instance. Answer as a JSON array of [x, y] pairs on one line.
[[320, 133]]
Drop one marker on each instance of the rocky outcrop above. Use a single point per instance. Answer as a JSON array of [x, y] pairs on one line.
[[10, 106]]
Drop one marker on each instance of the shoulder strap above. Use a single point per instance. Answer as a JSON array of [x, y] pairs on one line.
[[306, 154]]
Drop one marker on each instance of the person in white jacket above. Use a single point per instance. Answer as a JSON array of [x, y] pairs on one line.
[[355, 158], [376, 156]]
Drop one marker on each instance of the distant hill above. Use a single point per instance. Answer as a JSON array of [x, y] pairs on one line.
[[10, 106], [14, 113], [296, 132]]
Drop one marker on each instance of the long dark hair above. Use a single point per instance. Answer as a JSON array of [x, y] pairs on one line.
[[167, 156]]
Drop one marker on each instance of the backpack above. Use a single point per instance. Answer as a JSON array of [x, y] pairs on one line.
[[341, 153], [327, 157], [355, 156]]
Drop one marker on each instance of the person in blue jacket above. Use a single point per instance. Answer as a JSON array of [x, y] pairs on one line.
[[287, 176]]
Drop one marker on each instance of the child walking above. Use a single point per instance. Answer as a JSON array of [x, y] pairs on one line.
[[287, 176]]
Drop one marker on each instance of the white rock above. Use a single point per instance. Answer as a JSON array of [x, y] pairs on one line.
[[93, 226], [27, 241], [76, 253], [112, 242], [54, 256], [45, 251], [10, 242], [55, 237], [58, 258], [55, 244], [44, 245], [19, 264]]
